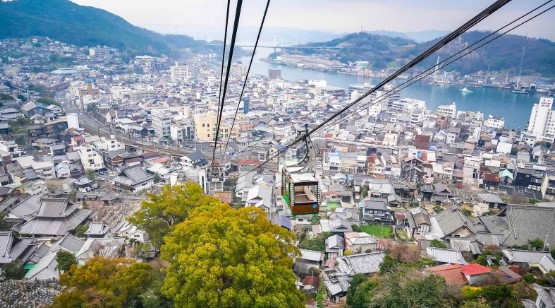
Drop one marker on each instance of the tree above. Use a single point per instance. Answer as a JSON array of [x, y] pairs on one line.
[[357, 291], [221, 256], [364, 193], [81, 229], [65, 260], [4, 225], [438, 244], [404, 287], [105, 282], [91, 174], [12, 270], [536, 244], [160, 213], [21, 97], [47, 101]]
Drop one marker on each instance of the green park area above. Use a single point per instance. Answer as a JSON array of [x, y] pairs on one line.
[[378, 230]]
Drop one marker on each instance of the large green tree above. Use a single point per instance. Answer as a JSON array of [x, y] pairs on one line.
[[404, 287], [105, 282], [65, 260], [160, 213], [223, 257]]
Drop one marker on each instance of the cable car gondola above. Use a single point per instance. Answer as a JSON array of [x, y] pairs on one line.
[[299, 187]]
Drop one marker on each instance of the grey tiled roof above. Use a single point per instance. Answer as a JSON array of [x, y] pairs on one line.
[[445, 255], [524, 256], [53, 207], [452, 219], [26, 208], [365, 263], [137, 175], [335, 242], [528, 223], [6, 240]]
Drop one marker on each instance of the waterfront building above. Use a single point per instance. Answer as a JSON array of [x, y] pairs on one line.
[[542, 120], [493, 122], [447, 110]]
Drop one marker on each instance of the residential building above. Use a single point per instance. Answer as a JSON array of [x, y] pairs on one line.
[[161, 122], [359, 242], [447, 110], [134, 179], [90, 159], [492, 122], [44, 170], [179, 72], [542, 120], [182, 131], [205, 127]]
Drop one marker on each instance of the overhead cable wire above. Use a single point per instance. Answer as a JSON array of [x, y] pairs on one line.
[[223, 53], [224, 90], [490, 10], [246, 78], [444, 41], [434, 68]]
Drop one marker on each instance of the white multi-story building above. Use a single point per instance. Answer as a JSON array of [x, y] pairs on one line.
[[407, 105], [494, 122], [90, 159], [179, 72], [542, 120], [447, 110], [182, 131], [161, 122], [109, 144], [44, 170]]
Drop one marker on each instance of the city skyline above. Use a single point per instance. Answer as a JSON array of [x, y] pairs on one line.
[[205, 20]]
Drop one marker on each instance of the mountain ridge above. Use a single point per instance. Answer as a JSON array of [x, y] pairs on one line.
[[71, 23], [500, 55]]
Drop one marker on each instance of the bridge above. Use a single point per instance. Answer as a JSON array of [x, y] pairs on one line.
[[282, 47]]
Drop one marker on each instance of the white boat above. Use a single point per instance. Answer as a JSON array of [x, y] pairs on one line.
[[466, 90]]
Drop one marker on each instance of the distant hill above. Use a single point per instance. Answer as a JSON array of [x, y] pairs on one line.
[[503, 54], [68, 22], [417, 36]]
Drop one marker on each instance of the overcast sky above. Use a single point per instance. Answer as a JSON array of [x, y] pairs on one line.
[[204, 18]]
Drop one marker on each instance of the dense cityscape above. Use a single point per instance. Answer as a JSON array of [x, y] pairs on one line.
[[126, 180]]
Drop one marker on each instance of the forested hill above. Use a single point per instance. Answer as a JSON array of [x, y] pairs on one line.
[[503, 54], [68, 22]]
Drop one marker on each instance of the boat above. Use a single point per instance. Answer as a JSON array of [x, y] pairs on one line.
[[466, 90], [520, 91]]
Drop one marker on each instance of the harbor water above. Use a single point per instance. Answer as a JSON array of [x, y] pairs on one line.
[[515, 108]]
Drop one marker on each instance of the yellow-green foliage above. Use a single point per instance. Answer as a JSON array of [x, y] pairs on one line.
[[471, 292]]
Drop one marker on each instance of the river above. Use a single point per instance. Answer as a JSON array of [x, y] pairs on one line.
[[515, 108]]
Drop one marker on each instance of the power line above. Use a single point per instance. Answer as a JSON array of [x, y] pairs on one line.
[[223, 53], [444, 41], [433, 68], [246, 77], [230, 58], [369, 92]]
